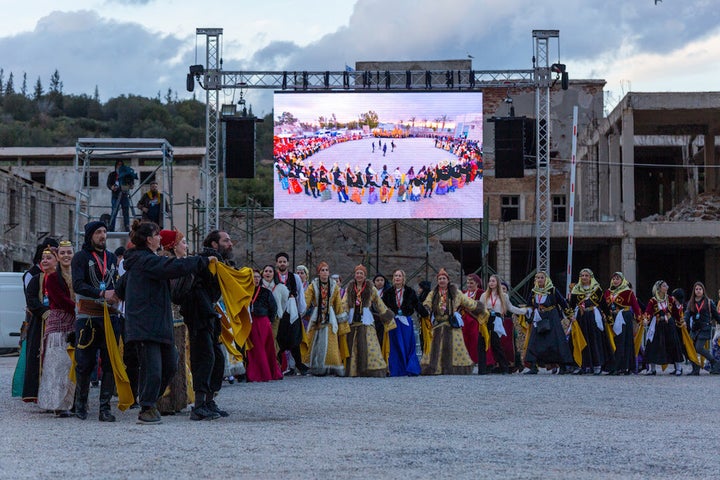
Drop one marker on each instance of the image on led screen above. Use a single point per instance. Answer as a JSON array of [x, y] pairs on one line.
[[378, 155]]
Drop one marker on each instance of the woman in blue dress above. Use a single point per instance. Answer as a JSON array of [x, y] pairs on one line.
[[403, 301]]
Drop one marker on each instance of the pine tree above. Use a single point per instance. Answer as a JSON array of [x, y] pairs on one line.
[[23, 90], [9, 86], [56, 85], [2, 79], [38, 91]]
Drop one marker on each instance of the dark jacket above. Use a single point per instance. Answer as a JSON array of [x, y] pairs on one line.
[[198, 308], [145, 287], [410, 303]]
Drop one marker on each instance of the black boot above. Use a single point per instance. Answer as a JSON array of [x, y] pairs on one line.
[[106, 392], [200, 411], [82, 388]]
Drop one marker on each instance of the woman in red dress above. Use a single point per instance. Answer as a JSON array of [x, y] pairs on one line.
[[622, 310], [261, 360]]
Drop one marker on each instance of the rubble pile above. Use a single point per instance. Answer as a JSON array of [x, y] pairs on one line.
[[706, 207]]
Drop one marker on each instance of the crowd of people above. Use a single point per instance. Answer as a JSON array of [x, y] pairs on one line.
[[175, 314], [297, 174]]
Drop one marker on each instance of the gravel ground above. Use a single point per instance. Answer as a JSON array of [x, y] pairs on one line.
[[513, 426]]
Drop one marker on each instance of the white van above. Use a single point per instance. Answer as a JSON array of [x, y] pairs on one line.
[[12, 310]]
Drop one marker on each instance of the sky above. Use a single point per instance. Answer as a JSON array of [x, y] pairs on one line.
[[144, 47]]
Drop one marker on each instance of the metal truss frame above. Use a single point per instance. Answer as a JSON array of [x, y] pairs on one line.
[[214, 79]]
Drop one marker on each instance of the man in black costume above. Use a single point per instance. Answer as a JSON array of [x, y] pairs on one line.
[[94, 272]]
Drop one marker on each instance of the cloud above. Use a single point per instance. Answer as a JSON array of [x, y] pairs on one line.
[[89, 50]]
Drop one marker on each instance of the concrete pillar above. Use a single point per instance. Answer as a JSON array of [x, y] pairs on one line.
[[603, 177], [613, 188], [628, 165], [629, 260], [712, 183], [504, 254], [712, 273]]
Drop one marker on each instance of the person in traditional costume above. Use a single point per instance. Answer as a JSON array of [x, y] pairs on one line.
[[281, 294], [326, 326], [423, 290], [663, 344], [403, 301], [587, 302], [700, 313], [207, 357], [448, 355], [145, 288], [94, 272], [500, 326], [471, 327], [27, 336], [261, 358], [175, 398], [366, 359], [622, 310], [290, 328], [547, 344], [381, 284], [38, 304], [56, 390]]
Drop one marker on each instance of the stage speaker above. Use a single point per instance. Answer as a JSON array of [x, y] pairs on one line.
[[514, 144], [239, 147]]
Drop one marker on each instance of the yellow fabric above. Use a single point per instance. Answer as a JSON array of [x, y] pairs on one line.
[[122, 383], [579, 342], [237, 287], [639, 338], [304, 342], [485, 334], [70, 349], [427, 334], [611, 336], [525, 326], [391, 325], [227, 339], [689, 346]]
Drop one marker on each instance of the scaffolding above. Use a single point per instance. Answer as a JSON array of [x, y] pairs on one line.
[[213, 79], [88, 150]]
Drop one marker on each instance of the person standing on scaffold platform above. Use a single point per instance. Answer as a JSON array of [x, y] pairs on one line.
[[120, 181]]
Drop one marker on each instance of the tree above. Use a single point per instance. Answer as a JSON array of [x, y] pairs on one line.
[[286, 118], [23, 90], [9, 86], [169, 96], [370, 119], [55, 94], [56, 85], [2, 79], [38, 90]]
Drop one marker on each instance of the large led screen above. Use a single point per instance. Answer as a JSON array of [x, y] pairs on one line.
[[378, 155]]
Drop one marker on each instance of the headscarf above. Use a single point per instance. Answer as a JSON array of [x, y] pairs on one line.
[[170, 238], [360, 267], [546, 289], [580, 289], [656, 291], [320, 265], [478, 280], [624, 285]]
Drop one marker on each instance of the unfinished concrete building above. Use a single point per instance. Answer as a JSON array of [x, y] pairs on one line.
[[648, 191]]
